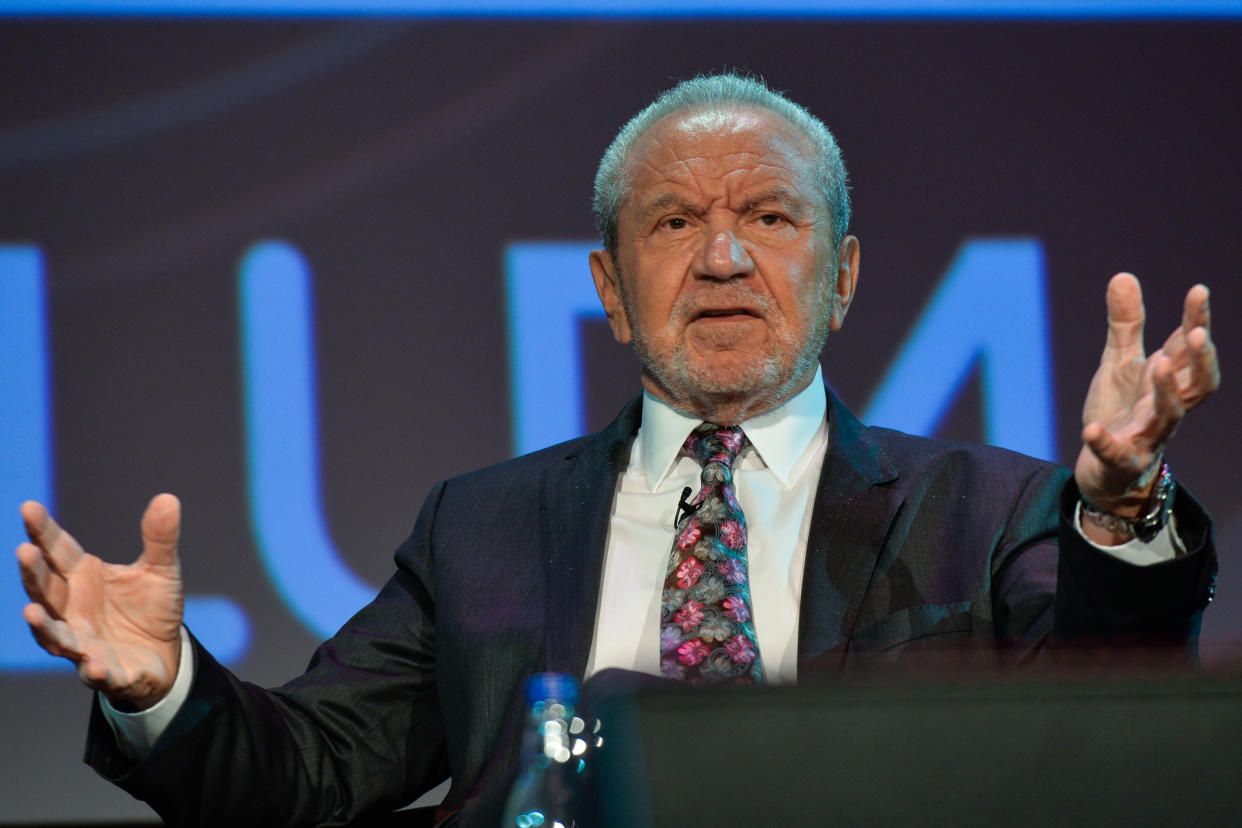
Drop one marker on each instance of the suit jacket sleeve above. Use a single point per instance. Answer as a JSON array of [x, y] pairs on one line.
[[411, 690], [1100, 598], [922, 548], [359, 733]]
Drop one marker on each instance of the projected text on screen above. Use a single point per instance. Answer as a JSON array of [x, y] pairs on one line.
[[967, 326]]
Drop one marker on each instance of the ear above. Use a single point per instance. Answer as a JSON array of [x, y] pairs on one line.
[[847, 281], [608, 286]]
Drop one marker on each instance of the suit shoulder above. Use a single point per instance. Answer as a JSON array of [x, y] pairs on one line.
[[522, 467], [519, 478], [925, 454], [509, 490]]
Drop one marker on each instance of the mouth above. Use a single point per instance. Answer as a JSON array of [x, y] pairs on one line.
[[726, 313]]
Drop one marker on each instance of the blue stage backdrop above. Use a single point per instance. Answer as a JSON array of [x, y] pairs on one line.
[[296, 262]]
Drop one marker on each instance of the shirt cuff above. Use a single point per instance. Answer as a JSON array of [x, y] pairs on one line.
[[1165, 546], [137, 732]]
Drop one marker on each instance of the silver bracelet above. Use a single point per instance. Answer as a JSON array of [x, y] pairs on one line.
[[1144, 527]]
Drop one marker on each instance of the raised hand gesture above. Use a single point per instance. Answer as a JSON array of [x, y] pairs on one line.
[[120, 624], [1135, 402]]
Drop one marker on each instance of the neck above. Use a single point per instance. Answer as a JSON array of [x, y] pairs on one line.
[[728, 408]]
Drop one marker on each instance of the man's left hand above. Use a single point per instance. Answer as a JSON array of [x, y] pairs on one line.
[[1136, 402]]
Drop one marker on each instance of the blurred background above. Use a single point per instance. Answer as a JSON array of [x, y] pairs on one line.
[[296, 262]]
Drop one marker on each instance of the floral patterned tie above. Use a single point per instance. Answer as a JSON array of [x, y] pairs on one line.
[[706, 631]]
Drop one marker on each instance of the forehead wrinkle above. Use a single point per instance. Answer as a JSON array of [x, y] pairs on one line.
[[646, 207], [777, 182], [702, 175], [786, 196], [646, 158]]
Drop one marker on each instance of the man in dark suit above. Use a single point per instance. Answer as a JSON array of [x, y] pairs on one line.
[[726, 264]]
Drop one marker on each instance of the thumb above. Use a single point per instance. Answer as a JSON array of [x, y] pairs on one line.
[[1125, 313], [161, 527]]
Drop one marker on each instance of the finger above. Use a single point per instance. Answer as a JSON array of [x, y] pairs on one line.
[[1125, 313], [99, 670], [1204, 368], [98, 667], [53, 634], [1168, 402], [41, 584], [62, 551], [1121, 456], [1195, 310], [161, 527], [1195, 314]]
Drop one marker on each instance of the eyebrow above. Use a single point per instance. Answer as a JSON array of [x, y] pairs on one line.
[[666, 200], [787, 198], [783, 196]]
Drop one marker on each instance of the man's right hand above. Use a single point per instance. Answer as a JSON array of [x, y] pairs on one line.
[[120, 624]]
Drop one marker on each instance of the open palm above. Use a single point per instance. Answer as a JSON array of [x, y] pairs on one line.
[[1135, 401], [119, 623]]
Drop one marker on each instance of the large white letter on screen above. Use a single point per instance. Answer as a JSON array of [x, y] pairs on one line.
[[549, 291], [282, 441], [25, 436], [990, 309]]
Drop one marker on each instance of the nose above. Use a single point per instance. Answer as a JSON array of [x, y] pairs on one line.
[[723, 257]]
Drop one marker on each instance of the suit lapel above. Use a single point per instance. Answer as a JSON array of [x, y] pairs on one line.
[[849, 522], [850, 519], [577, 502]]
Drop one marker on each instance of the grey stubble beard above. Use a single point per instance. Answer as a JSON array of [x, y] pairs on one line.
[[762, 387]]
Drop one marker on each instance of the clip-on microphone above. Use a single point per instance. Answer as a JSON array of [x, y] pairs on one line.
[[684, 507]]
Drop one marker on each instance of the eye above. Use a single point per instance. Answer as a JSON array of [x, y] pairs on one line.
[[771, 219], [675, 223]]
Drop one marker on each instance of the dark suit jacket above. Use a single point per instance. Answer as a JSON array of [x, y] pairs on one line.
[[913, 544]]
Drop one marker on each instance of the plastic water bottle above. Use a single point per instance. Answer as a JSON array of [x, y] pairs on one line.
[[544, 795]]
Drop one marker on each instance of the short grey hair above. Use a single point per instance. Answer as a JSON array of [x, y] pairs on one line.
[[714, 93]]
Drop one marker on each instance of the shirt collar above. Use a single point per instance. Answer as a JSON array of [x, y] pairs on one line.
[[780, 436]]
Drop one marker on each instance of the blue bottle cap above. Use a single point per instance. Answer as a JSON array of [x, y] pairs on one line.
[[547, 686]]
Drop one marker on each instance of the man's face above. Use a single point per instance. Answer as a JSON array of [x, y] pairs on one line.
[[724, 276]]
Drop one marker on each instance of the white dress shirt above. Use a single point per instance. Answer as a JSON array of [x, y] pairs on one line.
[[775, 478]]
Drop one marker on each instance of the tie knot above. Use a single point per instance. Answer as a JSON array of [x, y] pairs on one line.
[[710, 443]]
